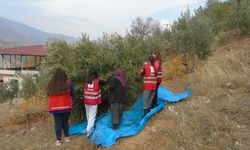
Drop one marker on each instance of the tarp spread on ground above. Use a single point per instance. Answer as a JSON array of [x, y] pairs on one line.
[[132, 121]]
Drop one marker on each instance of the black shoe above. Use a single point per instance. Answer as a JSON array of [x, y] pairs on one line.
[[115, 126], [145, 112], [153, 106]]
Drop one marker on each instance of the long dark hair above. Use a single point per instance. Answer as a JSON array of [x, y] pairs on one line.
[[157, 54], [93, 74], [58, 83], [151, 60]]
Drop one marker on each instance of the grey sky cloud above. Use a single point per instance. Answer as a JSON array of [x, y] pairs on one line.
[[94, 17]]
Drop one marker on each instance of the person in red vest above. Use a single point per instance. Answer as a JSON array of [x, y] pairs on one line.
[[92, 97], [149, 84], [60, 92], [158, 69]]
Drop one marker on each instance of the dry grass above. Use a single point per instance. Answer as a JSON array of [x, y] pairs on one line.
[[207, 124], [229, 68], [27, 112], [216, 116]]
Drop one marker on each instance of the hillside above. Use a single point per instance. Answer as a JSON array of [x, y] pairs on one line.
[[14, 34], [216, 116]]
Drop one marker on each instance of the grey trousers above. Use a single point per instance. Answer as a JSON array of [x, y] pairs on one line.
[[148, 96], [116, 112]]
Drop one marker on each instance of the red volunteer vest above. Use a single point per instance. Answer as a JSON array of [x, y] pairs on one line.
[[92, 93], [60, 102], [150, 79], [158, 69]]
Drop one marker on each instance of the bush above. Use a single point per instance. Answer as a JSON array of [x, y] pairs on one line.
[[240, 17], [192, 35], [181, 33], [29, 87], [108, 54], [201, 35], [8, 91], [3, 93], [218, 12]]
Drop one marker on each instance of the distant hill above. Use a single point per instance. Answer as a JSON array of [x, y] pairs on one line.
[[16, 34]]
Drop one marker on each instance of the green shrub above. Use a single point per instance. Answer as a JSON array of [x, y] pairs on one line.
[[108, 54], [29, 87], [240, 17], [8, 91], [3, 93], [201, 35], [218, 12], [192, 34]]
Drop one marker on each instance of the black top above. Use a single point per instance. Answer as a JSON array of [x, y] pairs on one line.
[[101, 82], [118, 93]]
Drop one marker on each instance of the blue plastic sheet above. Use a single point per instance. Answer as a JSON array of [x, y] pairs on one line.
[[132, 122]]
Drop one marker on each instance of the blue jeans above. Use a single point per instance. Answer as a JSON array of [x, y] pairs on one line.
[[61, 123]]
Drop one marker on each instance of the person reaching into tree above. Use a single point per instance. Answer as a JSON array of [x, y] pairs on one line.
[[149, 84], [158, 69], [92, 97]]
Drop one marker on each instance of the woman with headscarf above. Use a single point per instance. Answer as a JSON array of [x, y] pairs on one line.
[[92, 97], [118, 96]]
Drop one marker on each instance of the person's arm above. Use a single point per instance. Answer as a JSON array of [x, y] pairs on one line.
[[157, 65], [72, 89], [102, 81], [142, 71], [112, 86]]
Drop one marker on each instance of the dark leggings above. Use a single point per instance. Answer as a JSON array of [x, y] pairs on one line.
[[154, 101], [116, 113], [61, 123]]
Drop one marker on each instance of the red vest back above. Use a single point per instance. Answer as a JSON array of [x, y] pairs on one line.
[[92, 93], [158, 69], [60, 102], [150, 78]]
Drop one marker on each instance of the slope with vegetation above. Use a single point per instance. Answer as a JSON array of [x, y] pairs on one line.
[[208, 50]]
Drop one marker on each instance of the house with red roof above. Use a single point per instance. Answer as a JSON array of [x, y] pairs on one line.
[[19, 61]]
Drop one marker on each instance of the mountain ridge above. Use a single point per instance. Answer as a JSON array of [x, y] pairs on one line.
[[13, 33]]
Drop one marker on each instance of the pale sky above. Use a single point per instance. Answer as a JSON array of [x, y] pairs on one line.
[[73, 17]]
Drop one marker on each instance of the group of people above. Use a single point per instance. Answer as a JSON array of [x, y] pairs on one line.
[[60, 92]]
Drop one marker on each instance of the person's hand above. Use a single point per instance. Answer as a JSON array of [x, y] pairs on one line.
[[140, 72]]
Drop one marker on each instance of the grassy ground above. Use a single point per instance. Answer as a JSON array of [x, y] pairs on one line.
[[215, 116]]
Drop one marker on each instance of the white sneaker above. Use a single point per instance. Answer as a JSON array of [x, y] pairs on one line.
[[66, 139], [58, 143]]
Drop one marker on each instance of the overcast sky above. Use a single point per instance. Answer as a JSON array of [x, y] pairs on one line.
[[73, 17]]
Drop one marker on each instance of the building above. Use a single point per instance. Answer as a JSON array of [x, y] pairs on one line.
[[19, 61]]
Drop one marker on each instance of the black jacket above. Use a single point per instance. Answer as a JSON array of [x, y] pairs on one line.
[[118, 93]]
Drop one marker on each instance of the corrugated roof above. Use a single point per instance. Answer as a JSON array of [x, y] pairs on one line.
[[35, 50]]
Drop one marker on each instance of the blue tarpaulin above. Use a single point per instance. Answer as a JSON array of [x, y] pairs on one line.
[[132, 121]]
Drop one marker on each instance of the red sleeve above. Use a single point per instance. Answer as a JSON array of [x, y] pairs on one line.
[[157, 65]]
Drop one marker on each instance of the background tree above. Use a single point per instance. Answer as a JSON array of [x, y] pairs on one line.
[[240, 17], [8, 91]]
